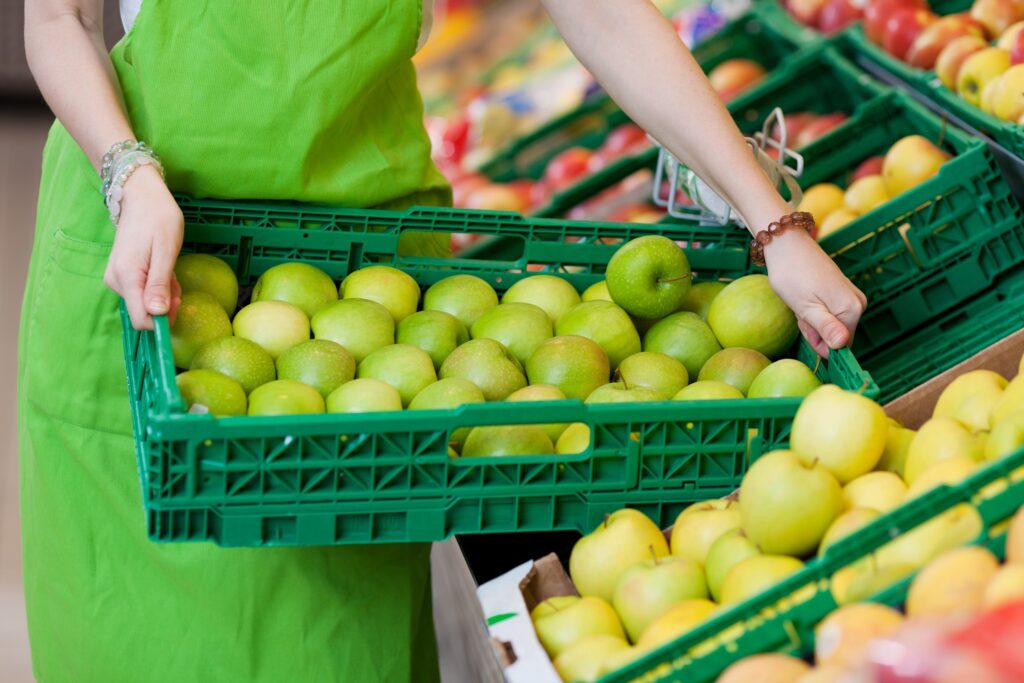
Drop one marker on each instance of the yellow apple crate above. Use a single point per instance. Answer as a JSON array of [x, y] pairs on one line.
[[387, 477]]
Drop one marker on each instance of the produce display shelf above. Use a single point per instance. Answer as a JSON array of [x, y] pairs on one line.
[[387, 477], [782, 618]]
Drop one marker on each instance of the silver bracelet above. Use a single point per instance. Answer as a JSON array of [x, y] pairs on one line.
[[123, 159]]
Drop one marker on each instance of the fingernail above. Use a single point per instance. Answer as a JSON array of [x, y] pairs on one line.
[[158, 302]]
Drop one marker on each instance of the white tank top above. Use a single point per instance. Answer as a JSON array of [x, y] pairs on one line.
[[130, 10]]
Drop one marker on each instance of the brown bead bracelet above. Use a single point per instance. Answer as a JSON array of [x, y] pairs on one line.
[[798, 219]]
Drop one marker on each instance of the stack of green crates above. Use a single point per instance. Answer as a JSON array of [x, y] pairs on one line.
[[387, 477]]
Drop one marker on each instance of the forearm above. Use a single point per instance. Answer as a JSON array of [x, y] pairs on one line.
[[637, 57], [66, 53]]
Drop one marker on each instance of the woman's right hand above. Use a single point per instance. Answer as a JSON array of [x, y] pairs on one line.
[[146, 246]]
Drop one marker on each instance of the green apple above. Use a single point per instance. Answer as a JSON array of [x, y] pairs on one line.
[[570, 621], [698, 299], [364, 396], [520, 327], [596, 292], [322, 364], [700, 525], [361, 326], [786, 378], [299, 284], [882, 491], [502, 440], [755, 575], [218, 394], [1007, 436], [207, 273], [436, 332], [467, 297], [542, 392], [736, 367], [285, 397], [653, 370], [707, 391], [240, 359], [748, 313], [726, 552], [405, 367], [549, 292], [552, 605], [582, 662], [847, 523], [842, 430], [618, 392], [647, 590], [897, 443], [200, 320], [275, 325], [487, 364], [390, 287], [599, 559], [604, 323], [788, 504], [685, 337], [576, 365], [448, 393], [575, 439], [649, 276]]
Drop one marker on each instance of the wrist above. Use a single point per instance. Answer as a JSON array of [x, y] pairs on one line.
[[775, 234]]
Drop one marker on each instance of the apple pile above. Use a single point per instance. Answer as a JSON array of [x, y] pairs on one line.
[[908, 163], [734, 76], [827, 16], [848, 465], [379, 343], [961, 583]]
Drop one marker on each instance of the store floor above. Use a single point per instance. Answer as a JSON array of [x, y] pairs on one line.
[[464, 651]]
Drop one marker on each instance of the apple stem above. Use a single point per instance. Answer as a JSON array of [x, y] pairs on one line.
[[817, 366], [675, 279], [864, 387], [605, 522], [733, 497]]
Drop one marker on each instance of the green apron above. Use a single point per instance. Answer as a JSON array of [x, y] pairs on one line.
[[311, 101]]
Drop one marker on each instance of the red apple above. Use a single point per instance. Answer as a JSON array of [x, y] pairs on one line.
[[926, 48], [877, 13], [806, 11], [733, 76], [465, 186], [820, 126], [626, 139], [870, 166], [997, 15], [837, 15], [495, 197], [795, 123], [566, 167], [539, 194], [953, 56], [1017, 51], [524, 188], [903, 27], [1009, 36]]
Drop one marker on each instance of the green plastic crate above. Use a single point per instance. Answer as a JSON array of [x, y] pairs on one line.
[[387, 477], [782, 619], [752, 36]]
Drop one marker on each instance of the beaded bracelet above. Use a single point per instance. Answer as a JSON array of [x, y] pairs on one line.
[[120, 161], [798, 219]]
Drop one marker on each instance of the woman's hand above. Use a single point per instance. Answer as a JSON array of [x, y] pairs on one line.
[[827, 305], [149, 234]]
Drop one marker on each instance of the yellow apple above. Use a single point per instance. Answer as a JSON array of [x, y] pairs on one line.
[[766, 668], [564, 627], [952, 584], [1007, 585], [825, 674], [582, 661], [880, 491], [695, 530], [842, 430], [681, 618], [865, 579], [620, 658], [955, 527], [953, 56], [1008, 38], [1015, 539], [1008, 97], [846, 524], [910, 162], [978, 69], [575, 439], [648, 590], [599, 559], [988, 94], [1006, 437], [820, 200], [552, 605], [897, 442], [729, 550], [970, 399], [1011, 401], [843, 637], [756, 574], [940, 438], [839, 218], [951, 471], [866, 193]]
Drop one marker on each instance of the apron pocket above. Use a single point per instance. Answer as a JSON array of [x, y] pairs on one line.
[[74, 364]]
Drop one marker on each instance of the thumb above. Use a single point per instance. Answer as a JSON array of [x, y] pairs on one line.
[[831, 328], [157, 296]]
